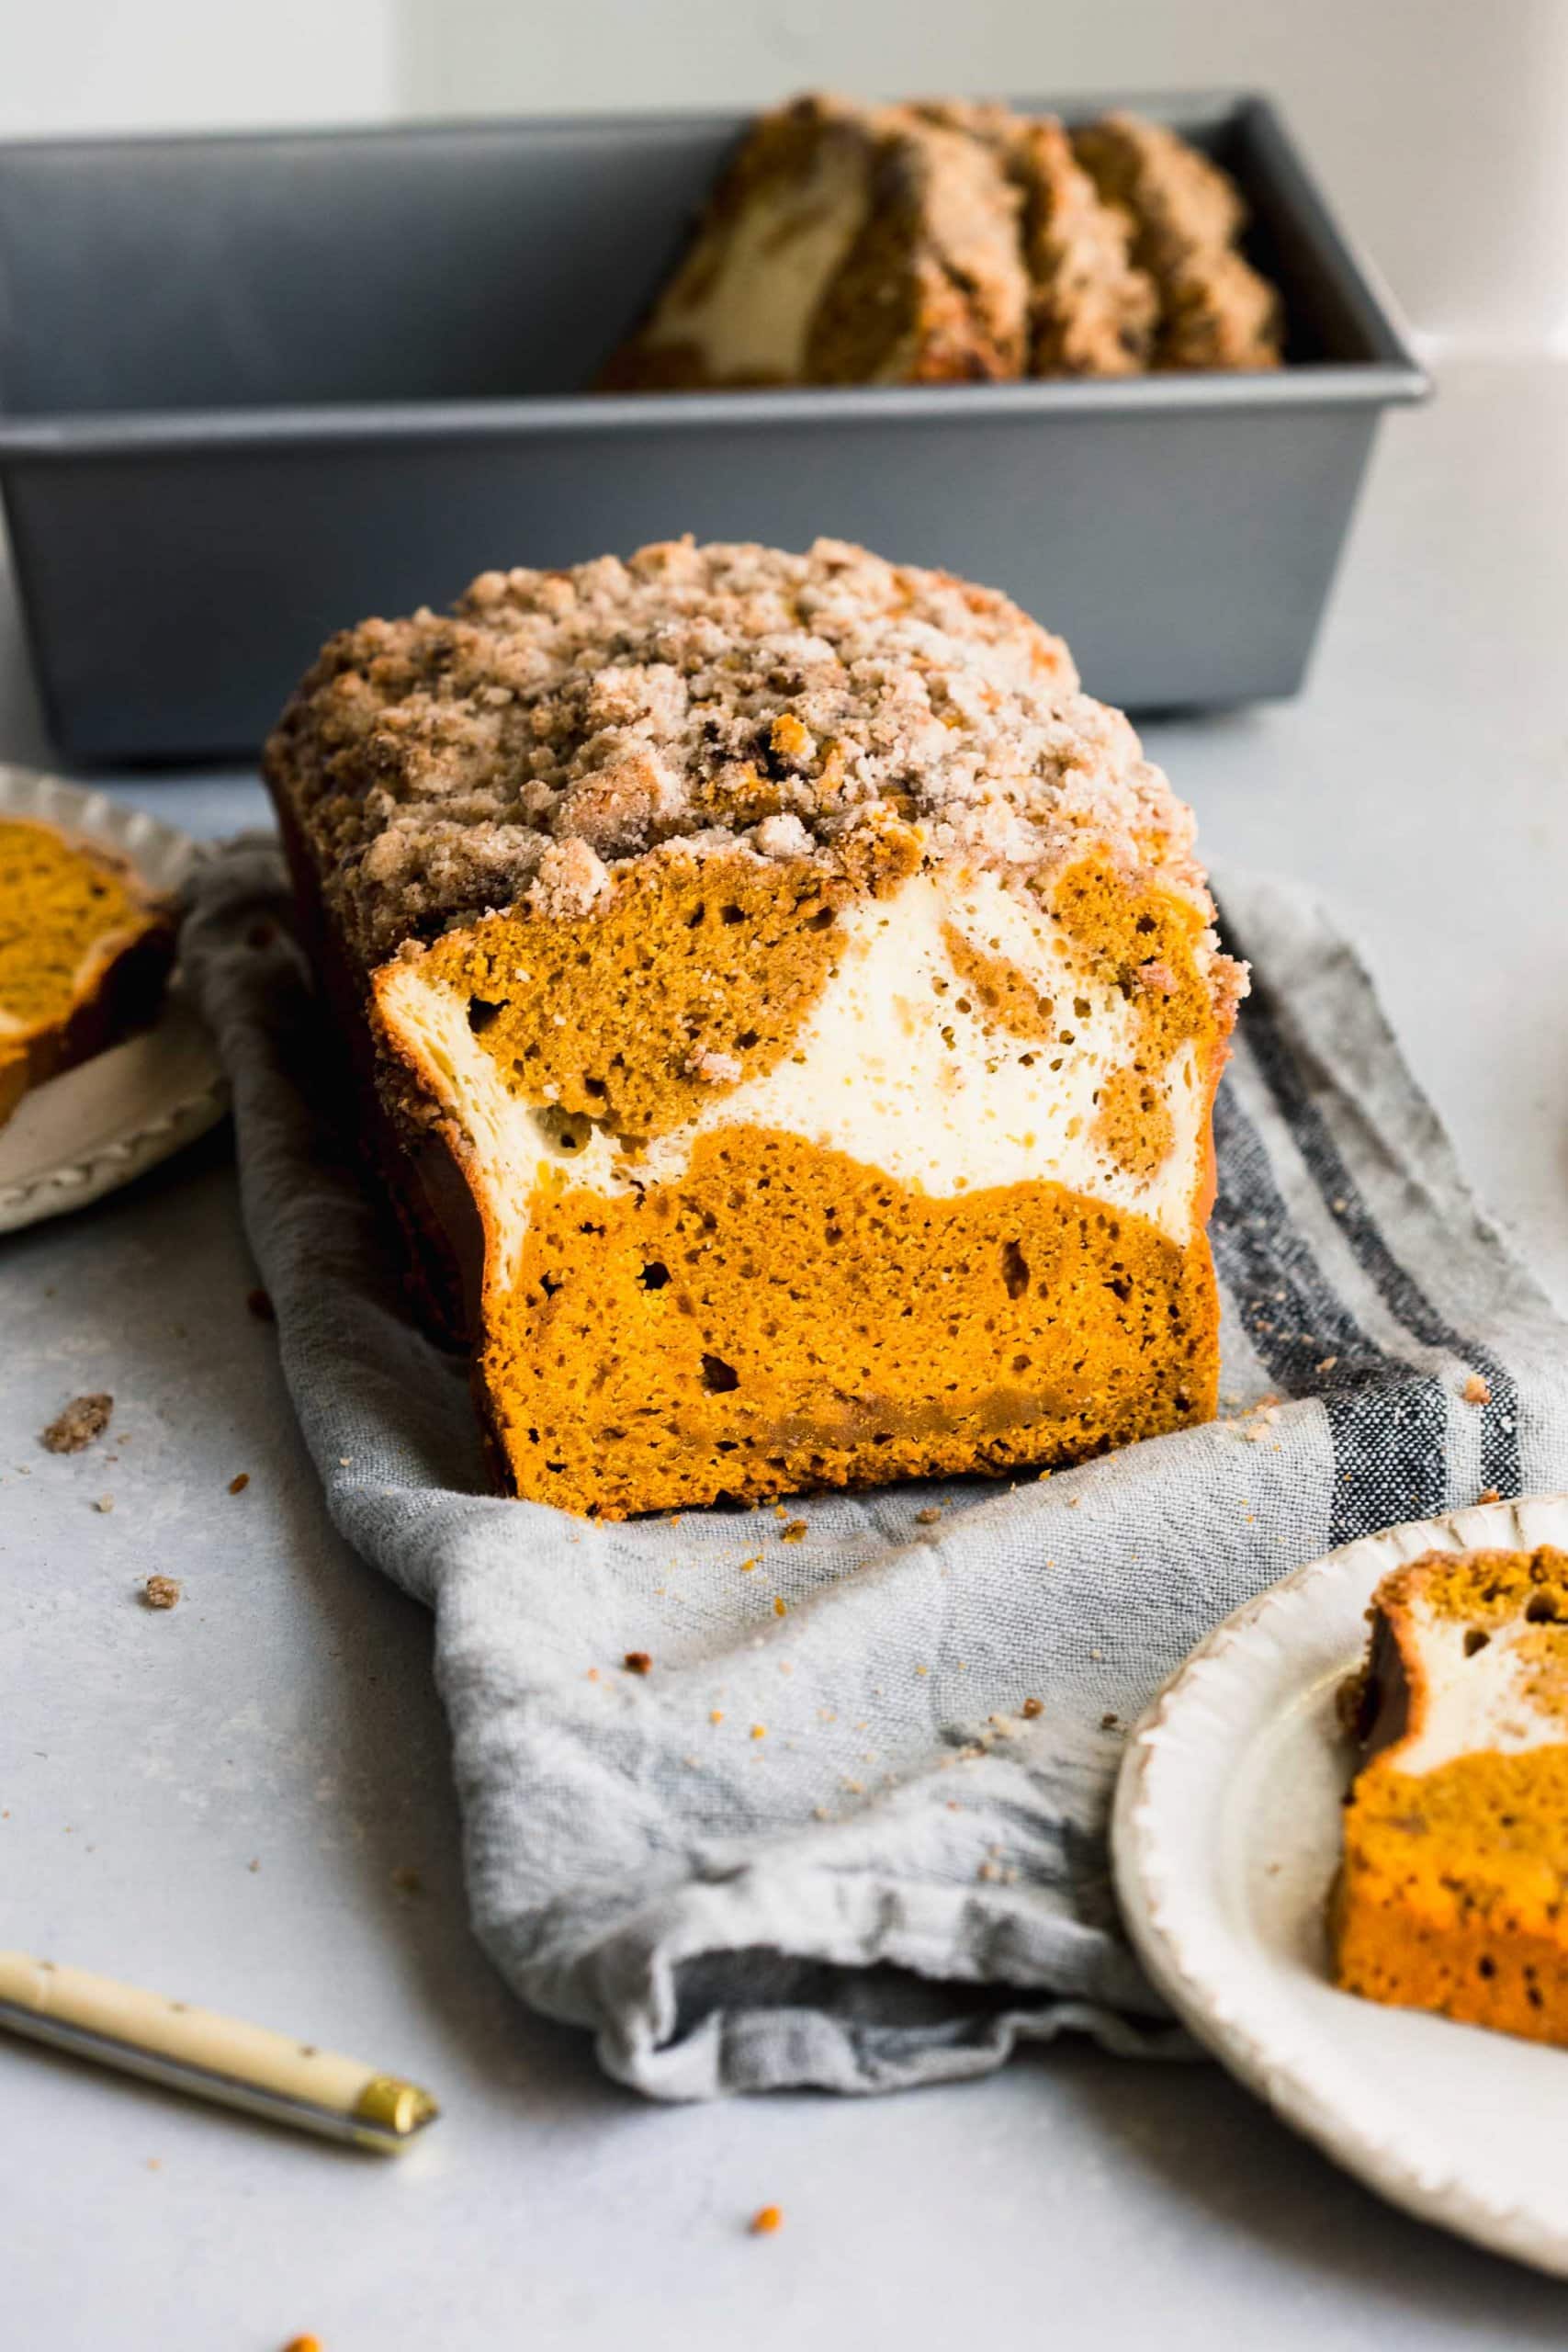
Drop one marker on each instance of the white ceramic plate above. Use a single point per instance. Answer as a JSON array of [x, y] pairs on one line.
[[1226, 1839], [97, 1126]]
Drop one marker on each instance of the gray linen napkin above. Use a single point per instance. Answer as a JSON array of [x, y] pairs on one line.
[[849, 1830]]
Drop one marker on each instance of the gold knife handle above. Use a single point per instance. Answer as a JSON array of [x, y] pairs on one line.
[[215, 2057]]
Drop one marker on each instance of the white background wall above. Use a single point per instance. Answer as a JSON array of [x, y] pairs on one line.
[[90, 65], [1438, 125]]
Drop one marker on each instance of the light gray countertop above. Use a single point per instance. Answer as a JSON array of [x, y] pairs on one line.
[[213, 1802]]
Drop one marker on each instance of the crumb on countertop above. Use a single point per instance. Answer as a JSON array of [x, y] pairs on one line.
[[1488, 1495], [259, 1303], [638, 1662], [765, 2221], [238, 1484], [1476, 1390], [792, 1532], [161, 1592], [1031, 1708], [104, 1502], [84, 1419], [928, 1517]]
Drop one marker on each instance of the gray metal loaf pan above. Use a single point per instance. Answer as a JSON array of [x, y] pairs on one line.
[[253, 389]]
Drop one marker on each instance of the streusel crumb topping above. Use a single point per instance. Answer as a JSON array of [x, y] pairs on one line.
[[560, 724]]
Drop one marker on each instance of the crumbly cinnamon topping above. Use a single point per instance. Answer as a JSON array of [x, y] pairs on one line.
[[1179, 201], [1185, 215], [561, 725], [1091, 313]]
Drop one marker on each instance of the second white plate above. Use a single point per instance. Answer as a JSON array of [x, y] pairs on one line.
[[1225, 1840]]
